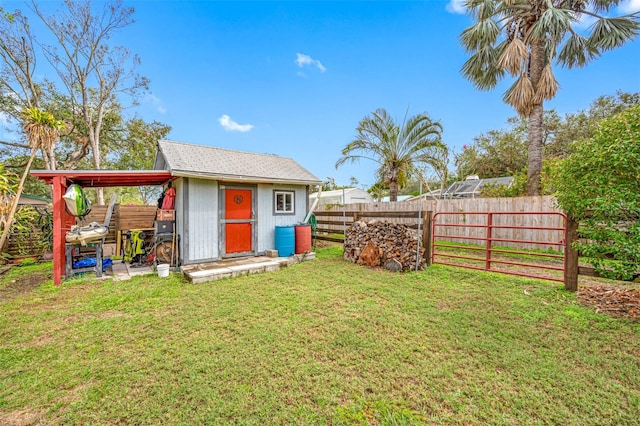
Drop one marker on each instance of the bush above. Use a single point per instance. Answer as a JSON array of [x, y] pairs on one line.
[[599, 186], [31, 231]]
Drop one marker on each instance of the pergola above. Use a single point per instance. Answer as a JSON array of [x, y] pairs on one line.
[[61, 179]]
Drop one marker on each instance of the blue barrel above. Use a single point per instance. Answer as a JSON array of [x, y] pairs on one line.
[[285, 240]]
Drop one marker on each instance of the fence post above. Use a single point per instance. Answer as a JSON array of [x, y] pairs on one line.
[[571, 256], [489, 242], [427, 222]]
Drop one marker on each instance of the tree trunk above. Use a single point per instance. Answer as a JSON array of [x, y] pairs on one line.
[[536, 144], [95, 147], [14, 207], [535, 151], [393, 190]]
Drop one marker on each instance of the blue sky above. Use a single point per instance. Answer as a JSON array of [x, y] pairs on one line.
[[294, 78]]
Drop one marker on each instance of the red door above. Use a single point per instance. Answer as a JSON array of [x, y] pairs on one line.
[[238, 220]]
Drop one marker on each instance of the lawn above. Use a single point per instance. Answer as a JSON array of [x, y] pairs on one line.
[[320, 342]]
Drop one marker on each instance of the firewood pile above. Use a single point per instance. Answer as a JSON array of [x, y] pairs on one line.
[[390, 245], [615, 301]]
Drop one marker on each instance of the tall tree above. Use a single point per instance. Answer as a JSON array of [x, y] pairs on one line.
[[93, 72], [524, 38], [135, 149], [42, 130], [19, 90], [396, 148], [496, 153]]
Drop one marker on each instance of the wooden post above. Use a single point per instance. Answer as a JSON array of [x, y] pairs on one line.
[[487, 264], [427, 222], [59, 255], [118, 242], [571, 256]]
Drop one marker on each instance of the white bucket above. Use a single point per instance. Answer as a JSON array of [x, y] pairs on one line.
[[163, 270]]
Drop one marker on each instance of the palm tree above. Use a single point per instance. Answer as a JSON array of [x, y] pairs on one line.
[[524, 38], [42, 130], [395, 148]]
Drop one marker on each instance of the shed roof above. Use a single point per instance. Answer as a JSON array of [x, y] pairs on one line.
[[106, 178], [207, 162]]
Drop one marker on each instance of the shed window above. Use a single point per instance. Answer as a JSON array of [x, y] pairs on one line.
[[284, 202]]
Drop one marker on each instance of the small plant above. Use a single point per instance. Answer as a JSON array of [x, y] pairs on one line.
[[28, 261]]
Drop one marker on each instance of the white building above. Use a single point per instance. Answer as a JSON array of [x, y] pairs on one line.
[[341, 196]]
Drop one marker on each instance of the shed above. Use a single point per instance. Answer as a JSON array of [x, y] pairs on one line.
[[342, 196], [228, 203]]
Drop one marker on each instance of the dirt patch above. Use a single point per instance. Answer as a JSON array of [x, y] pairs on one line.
[[21, 418], [616, 301], [325, 244], [23, 284], [75, 393]]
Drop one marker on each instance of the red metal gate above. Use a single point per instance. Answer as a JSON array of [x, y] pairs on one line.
[[498, 250]]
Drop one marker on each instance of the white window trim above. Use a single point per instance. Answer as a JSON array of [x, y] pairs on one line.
[[292, 194]]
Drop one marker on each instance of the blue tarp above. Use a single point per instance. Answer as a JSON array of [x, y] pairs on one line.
[[89, 262]]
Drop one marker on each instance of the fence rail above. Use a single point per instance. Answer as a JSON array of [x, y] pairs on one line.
[[492, 249], [517, 231], [337, 218]]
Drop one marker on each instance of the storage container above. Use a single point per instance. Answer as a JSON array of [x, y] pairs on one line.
[[285, 240], [303, 239]]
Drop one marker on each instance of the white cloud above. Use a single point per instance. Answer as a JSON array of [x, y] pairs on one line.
[[156, 102], [629, 6], [4, 118], [231, 126], [303, 60], [456, 6]]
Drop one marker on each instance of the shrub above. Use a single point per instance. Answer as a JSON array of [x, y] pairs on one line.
[[599, 186]]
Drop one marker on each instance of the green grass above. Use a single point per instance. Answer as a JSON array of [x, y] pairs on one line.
[[320, 342]]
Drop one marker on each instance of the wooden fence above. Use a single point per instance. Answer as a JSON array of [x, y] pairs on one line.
[[334, 220]]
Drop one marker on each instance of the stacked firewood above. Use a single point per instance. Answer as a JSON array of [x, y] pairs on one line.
[[377, 243]]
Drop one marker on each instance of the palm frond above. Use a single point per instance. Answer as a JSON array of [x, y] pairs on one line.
[[547, 85], [484, 32], [553, 23], [41, 127], [577, 52], [609, 33], [417, 133], [481, 68], [480, 9], [353, 158], [603, 5], [513, 57], [510, 3], [520, 95]]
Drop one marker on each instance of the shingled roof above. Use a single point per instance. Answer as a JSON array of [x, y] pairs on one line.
[[207, 162]]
